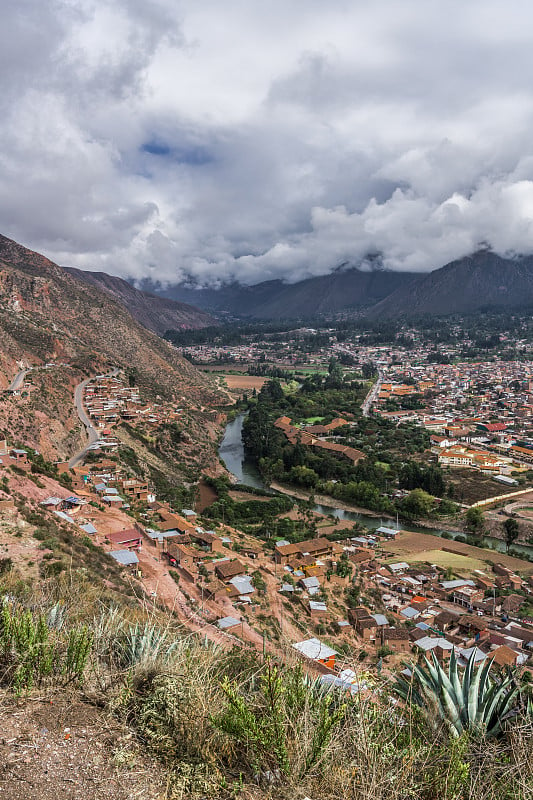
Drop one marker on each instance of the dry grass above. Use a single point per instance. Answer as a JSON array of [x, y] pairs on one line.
[[225, 725], [462, 565]]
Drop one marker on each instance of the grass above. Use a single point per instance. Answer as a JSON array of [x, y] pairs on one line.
[[464, 565], [225, 724]]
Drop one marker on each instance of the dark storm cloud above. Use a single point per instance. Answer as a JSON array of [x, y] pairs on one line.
[[247, 140]]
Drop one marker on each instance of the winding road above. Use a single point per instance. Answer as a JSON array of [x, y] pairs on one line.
[[85, 420], [18, 380]]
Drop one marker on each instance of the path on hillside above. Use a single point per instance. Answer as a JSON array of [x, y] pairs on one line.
[[85, 420], [373, 393], [18, 380]]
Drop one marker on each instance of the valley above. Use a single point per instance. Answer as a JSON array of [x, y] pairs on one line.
[[332, 500]]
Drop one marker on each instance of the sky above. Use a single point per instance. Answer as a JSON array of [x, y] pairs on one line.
[[216, 140]]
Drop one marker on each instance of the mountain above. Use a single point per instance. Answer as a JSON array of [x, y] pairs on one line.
[[158, 314], [481, 281], [48, 315], [326, 294]]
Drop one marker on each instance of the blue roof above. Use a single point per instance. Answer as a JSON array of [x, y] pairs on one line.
[[409, 612]]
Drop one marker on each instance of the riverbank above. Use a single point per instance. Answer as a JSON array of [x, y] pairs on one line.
[[327, 501], [232, 455]]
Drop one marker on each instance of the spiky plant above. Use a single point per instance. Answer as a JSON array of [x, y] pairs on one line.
[[468, 701]]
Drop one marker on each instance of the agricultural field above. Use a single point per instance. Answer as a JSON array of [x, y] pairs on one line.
[[471, 486], [244, 381], [410, 546], [460, 564]]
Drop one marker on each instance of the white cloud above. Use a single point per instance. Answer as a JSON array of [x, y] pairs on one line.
[[242, 140]]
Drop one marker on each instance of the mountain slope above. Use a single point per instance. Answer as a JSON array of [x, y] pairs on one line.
[[47, 315], [326, 294], [158, 314], [480, 281]]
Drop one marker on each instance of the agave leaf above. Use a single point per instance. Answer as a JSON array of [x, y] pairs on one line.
[[453, 716], [454, 677], [473, 705], [446, 683], [485, 682], [467, 678], [498, 706]]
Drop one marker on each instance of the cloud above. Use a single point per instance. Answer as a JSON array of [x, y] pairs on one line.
[[235, 140]]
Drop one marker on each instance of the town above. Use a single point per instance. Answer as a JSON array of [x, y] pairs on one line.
[[349, 601]]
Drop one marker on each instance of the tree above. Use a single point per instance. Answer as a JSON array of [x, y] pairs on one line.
[[259, 582], [475, 521], [344, 568], [511, 530], [418, 503]]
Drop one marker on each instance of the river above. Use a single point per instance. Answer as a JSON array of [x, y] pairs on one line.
[[231, 452]]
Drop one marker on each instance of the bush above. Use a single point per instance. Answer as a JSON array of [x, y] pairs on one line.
[[32, 653]]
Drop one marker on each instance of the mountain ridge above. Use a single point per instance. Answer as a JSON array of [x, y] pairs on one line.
[[156, 313], [338, 291], [48, 315], [480, 281], [483, 280]]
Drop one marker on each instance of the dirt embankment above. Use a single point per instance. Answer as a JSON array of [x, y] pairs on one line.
[[58, 746]]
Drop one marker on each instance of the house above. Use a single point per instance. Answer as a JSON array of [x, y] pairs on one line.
[[475, 627], [113, 500], [317, 608], [317, 548], [228, 622], [504, 657], [135, 489], [243, 584], [388, 533], [512, 603], [130, 539], [311, 585], [397, 639], [125, 558], [398, 567], [445, 621], [226, 569], [441, 646], [316, 650], [360, 556], [467, 596], [409, 612], [367, 627], [207, 540]]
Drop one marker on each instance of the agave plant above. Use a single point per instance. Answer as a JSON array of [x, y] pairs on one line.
[[468, 701]]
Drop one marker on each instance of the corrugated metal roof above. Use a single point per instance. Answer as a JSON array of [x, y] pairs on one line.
[[315, 649], [124, 557]]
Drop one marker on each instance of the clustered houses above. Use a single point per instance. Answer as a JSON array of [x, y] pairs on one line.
[[443, 615], [108, 402], [281, 352], [479, 414], [417, 610], [307, 437]]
